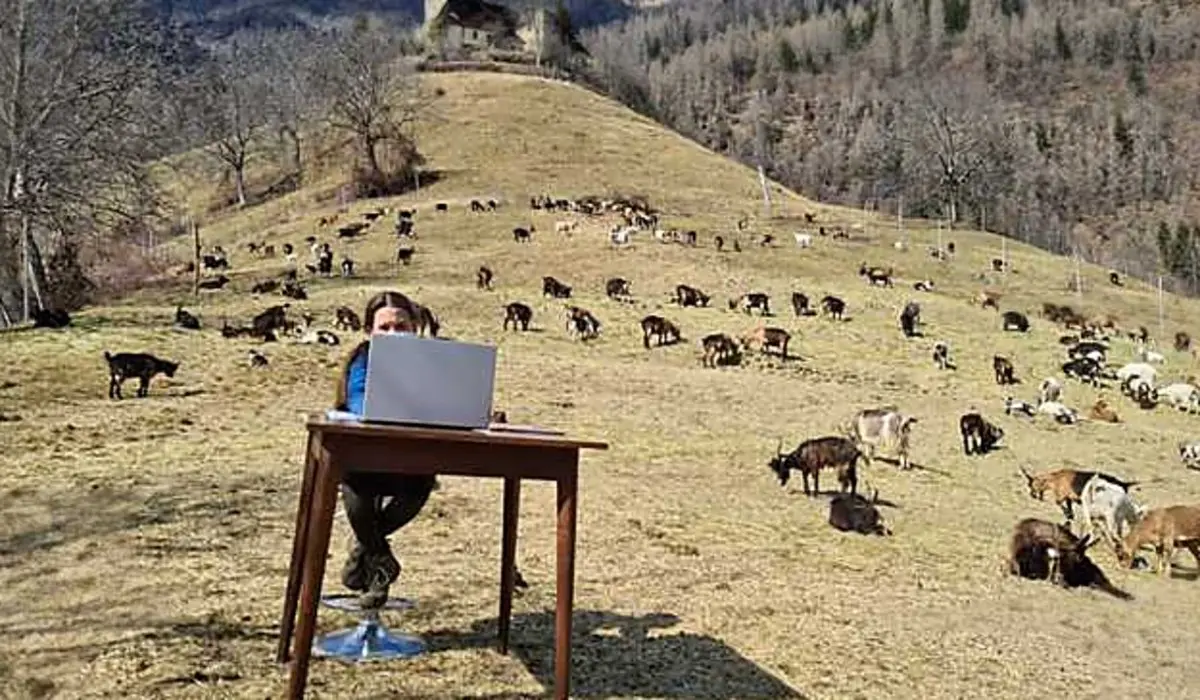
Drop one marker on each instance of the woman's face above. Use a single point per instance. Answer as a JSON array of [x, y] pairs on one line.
[[391, 320]]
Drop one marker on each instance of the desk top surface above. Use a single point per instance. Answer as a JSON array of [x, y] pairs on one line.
[[322, 424]]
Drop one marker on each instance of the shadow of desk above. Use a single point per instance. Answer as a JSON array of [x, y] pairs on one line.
[[336, 447]]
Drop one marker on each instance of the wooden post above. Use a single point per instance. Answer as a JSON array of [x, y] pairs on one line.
[[766, 192], [196, 259], [1004, 253], [1078, 278], [939, 241]]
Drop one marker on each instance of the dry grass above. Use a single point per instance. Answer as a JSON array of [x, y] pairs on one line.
[[144, 543]]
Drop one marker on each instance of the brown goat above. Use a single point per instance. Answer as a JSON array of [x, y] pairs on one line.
[[1101, 411], [986, 299], [768, 337], [1066, 486], [1043, 550], [811, 456], [1166, 529]]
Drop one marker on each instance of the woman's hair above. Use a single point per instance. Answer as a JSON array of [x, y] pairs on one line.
[[383, 300]]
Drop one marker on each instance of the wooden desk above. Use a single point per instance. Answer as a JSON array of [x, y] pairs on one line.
[[335, 448]]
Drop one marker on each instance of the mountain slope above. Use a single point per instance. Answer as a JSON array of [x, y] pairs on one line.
[[160, 527]]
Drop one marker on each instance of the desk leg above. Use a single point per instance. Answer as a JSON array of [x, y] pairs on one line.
[[296, 566], [566, 583], [319, 527], [508, 556]]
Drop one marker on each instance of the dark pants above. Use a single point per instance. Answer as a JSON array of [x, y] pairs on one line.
[[376, 506]]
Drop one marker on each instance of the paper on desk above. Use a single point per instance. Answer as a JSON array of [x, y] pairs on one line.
[[342, 416]]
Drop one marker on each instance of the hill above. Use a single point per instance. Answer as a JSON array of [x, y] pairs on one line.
[[144, 547], [1059, 125]]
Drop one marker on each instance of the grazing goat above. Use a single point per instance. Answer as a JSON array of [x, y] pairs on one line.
[[214, 282], [1101, 411], [1044, 550], [804, 240], [750, 301], [767, 337], [185, 320], [257, 359], [1025, 408], [555, 289], [265, 287], [347, 319], [404, 254], [1165, 529], [318, 336], [1061, 413], [1183, 342], [800, 304], [1014, 321], [833, 307], [884, 426], [910, 317], [1112, 506], [1066, 486], [517, 313], [1114, 278], [690, 296], [830, 452], [941, 355], [978, 435], [50, 318], [1003, 369], [851, 512], [582, 322], [876, 275], [717, 347], [522, 234], [617, 288], [665, 331], [128, 365], [483, 277], [923, 285], [987, 299], [1189, 454], [293, 290], [1085, 369]]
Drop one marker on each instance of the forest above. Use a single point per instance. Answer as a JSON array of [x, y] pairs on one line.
[[1071, 125]]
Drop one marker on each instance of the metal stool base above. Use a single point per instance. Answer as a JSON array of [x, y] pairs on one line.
[[369, 641]]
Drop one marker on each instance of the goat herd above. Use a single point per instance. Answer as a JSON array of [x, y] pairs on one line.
[[1038, 548]]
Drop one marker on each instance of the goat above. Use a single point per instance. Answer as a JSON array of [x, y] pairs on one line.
[[1060, 412], [923, 285], [750, 301], [1114, 278], [185, 320], [833, 307], [617, 288], [941, 355], [811, 456], [909, 318], [567, 227], [800, 304], [265, 287], [555, 289], [1100, 411], [1181, 395], [347, 267], [978, 435], [318, 336], [690, 296], [293, 290], [50, 318], [876, 275], [404, 254], [1141, 391], [1012, 406], [1145, 354], [1066, 486], [1085, 369], [442, 207], [582, 322], [851, 512], [717, 347], [1003, 369], [1137, 369], [1015, 321], [483, 277], [804, 240], [1165, 529], [1189, 454], [522, 234], [1112, 506], [214, 282], [1183, 342], [987, 299], [1043, 550], [768, 337], [517, 313], [347, 319], [665, 331], [877, 426], [128, 365], [257, 359]]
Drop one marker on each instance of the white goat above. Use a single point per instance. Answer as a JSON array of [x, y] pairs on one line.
[[804, 240], [1110, 504], [620, 236], [1012, 406], [1137, 369], [1181, 395], [1145, 354], [1060, 412], [1049, 390], [1189, 454]]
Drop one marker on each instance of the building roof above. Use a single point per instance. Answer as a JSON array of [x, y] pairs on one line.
[[478, 14]]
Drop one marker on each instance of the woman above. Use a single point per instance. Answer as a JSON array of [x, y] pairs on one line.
[[377, 504]]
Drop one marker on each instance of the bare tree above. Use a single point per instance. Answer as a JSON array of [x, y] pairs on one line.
[[374, 96], [236, 109], [288, 64], [74, 78]]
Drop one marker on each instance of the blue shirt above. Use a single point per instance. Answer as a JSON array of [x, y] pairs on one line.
[[356, 385]]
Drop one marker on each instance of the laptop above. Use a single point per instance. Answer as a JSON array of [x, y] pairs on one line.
[[413, 380]]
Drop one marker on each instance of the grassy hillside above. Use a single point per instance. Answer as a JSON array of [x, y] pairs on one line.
[[144, 547]]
